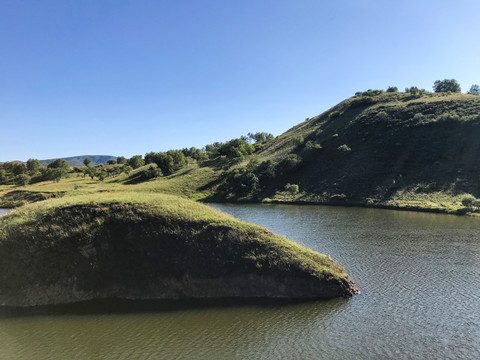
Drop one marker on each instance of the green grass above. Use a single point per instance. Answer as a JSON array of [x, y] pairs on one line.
[[129, 240]]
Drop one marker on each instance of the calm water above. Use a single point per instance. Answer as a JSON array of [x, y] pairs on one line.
[[3, 211], [419, 276]]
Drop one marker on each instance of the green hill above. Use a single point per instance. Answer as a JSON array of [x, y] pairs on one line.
[[390, 149], [147, 246]]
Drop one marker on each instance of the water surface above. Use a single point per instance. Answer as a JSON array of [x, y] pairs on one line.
[[419, 277], [3, 211]]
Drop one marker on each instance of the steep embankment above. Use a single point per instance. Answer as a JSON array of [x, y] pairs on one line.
[[386, 150], [151, 246]]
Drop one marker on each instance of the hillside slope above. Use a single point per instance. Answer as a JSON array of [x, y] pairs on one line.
[[391, 149]]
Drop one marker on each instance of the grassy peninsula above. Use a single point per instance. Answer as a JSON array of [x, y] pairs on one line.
[[143, 245]]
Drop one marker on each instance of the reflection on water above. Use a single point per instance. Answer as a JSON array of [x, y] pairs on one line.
[[418, 275]]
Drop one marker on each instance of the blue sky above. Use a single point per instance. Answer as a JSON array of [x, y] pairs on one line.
[[128, 77]]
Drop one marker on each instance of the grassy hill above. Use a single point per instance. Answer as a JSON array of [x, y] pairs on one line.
[[391, 150], [144, 246], [78, 160]]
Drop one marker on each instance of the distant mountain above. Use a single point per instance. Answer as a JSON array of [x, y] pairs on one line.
[[78, 160]]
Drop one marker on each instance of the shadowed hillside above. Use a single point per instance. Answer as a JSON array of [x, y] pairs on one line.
[[374, 150]]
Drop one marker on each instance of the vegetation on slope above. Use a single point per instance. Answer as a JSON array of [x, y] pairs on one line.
[[379, 149], [412, 150], [138, 245]]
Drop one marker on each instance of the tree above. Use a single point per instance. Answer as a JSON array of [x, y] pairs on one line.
[[136, 161], [87, 161], [415, 92], [474, 90], [259, 137], [392, 89], [16, 167], [33, 165], [22, 180], [178, 158], [57, 169], [446, 86], [54, 174], [165, 163], [58, 164], [122, 160]]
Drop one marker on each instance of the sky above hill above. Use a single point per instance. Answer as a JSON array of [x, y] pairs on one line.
[[128, 77]]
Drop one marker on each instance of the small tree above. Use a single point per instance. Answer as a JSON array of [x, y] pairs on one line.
[[33, 165], [447, 85], [22, 180], [392, 89], [474, 90], [55, 174], [136, 161], [122, 160], [87, 161]]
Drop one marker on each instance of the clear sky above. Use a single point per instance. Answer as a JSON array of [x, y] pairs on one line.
[[128, 77]]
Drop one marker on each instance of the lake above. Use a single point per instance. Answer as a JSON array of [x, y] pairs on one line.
[[418, 274]]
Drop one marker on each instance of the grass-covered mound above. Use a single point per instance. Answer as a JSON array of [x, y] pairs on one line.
[[150, 246]]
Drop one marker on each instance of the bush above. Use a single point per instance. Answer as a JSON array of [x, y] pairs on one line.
[[418, 117], [468, 201], [361, 101], [382, 115], [22, 180], [151, 172], [334, 114], [344, 148], [292, 188], [392, 89], [369, 92], [298, 140], [453, 116], [312, 146], [288, 164]]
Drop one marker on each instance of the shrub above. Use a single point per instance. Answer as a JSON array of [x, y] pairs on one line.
[[392, 89], [453, 116], [288, 164], [344, 148], [418, 117], [151, 172], [468, 201], [292, 188], [369, 92], [22, 180], [361, 101], [312, 146], [297, 140], [334, 114], [382, 115]]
